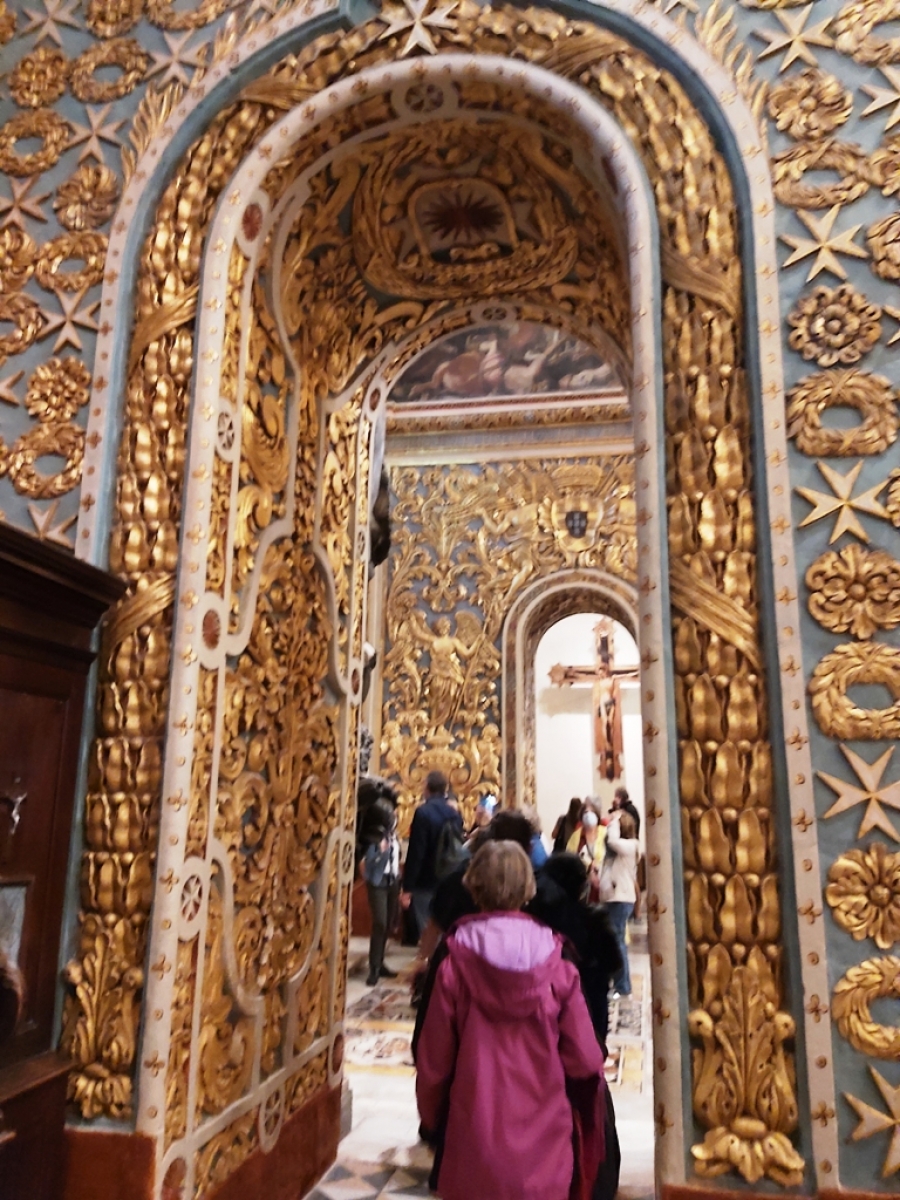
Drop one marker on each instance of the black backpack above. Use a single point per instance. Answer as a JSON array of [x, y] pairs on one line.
[[450, 851]]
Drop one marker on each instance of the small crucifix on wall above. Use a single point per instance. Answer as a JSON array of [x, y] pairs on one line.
[[605, 679]]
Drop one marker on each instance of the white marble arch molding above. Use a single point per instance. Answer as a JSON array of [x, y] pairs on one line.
[[714, 86], [537, 609], [609, 143]]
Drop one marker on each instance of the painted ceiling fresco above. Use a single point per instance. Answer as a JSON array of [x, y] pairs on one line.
[[513, 359]]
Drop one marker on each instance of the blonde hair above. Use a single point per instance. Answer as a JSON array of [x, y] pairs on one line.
[[500, 878], [627, 826]]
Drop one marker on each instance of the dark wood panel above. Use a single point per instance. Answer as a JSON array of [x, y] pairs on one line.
[[40, 709], [32, 1116], [50, 605]]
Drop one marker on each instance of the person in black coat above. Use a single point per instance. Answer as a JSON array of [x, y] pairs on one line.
[[621, 803]]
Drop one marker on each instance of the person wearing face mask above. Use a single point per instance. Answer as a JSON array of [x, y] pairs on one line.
[[589, 843]]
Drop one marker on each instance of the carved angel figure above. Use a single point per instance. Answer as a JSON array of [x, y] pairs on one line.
[[445, 675]]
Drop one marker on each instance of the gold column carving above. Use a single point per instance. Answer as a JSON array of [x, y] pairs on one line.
[[725, 774]]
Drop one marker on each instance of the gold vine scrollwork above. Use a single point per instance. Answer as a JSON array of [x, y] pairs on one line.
[[466, 542]]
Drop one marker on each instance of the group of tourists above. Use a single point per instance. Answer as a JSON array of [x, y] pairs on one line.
[[519, 956]]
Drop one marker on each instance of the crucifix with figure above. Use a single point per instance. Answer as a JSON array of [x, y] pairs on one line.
[[605, 678]]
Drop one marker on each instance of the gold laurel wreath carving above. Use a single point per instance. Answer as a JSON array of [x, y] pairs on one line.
[[846, 666], [53, 131], [883, 240], [63, 439], [852, 32], [790, 167], [164, 14], [872, 396], [874, 979], [855, 590], [124, 53], [25, 313], [89, 247], [112, 18], [18, 252]]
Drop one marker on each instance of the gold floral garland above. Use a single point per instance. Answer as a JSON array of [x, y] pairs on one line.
[[23, 312]]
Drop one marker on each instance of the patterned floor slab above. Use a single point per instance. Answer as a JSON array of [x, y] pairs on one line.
[[367, 1181], [379, 1028]]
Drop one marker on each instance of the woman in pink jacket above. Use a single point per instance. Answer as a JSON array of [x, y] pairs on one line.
[[510, 1075]]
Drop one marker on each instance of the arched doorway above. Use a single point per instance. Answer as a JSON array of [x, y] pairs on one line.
[[283, 458], [576, 751]]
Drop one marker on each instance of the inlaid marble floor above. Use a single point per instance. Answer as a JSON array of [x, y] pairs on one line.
[[382, 1155]]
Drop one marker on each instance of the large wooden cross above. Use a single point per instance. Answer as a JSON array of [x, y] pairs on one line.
[[604, 678]]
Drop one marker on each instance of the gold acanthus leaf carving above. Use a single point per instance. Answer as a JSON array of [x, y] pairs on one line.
[[744, 1092], [126, 756]]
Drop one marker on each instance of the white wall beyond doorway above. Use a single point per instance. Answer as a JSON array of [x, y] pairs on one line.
[[565, 761]]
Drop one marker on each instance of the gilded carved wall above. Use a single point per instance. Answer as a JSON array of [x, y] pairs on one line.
[[467, 541], [831, 106]]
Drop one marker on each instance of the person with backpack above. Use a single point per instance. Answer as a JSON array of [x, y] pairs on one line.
[[381, 871], [435, 848]]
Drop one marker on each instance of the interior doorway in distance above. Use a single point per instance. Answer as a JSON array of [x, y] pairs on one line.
[[568, 764], [567, 759]]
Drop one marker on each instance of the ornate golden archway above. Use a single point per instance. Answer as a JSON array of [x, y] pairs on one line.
[[244, 1001]]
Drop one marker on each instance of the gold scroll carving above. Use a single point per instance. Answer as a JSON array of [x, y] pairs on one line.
[[724, 768], [466, 541]]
